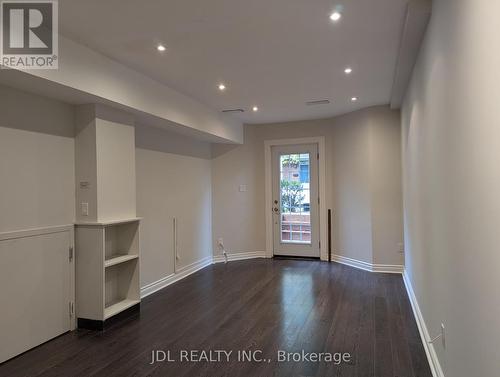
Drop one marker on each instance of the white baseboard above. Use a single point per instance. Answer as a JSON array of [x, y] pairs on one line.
[[240, 256], [382, 268], [388, 268], [172, 278], [434, 364], [196, 266]]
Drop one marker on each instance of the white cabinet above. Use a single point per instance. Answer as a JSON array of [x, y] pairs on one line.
[[107, 270], [36, 280]]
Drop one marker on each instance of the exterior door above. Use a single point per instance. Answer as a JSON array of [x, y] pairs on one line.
[[295, 200]]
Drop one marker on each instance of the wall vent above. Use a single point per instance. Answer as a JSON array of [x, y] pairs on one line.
[[318, 102], [233, 111]]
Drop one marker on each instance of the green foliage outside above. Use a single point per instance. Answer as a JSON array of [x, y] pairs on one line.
[[291, 195], [292, 160]]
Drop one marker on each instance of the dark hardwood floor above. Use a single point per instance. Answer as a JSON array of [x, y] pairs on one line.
[[260, 304]]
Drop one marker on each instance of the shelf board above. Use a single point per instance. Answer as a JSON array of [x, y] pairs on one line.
[[118, 307], [119, 258], [108, 223]]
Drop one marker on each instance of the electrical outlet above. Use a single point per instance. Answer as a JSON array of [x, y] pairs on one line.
[[84, 209], [401, 248], [243, 188], [220, 242]]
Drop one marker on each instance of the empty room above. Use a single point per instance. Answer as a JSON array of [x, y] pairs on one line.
[[249, 188]]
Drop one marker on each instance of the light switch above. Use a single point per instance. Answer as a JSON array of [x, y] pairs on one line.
[[243, 188], [85, 209]]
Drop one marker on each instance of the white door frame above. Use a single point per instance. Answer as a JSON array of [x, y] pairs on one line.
[[268, 144]]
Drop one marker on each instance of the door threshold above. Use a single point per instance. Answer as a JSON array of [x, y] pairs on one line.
[[295, 257]]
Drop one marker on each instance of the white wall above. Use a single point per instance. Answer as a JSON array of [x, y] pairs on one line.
[[37, 174], [348, 191], [172, 185], [116, 180], [86, 162], [105, 160], [363, 184], [37, 190], [451, 144], [386, 189]]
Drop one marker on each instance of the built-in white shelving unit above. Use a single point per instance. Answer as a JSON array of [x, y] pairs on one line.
[[117, 259], [107, 270]]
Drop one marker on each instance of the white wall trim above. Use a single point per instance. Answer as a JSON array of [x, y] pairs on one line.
[[35, 232], [172, 278], [371, 267], [388, 268], [434, 364], [239, 256], [323, 236]]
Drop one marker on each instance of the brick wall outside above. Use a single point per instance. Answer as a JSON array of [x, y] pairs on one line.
[[296, 227]]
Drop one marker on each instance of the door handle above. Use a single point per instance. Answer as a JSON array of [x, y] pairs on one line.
[[276, 210]]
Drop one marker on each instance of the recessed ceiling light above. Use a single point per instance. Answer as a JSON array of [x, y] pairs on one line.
[[222, 87], [348, 70], [354, 99], [255, 108], [161, 48], [335, 16]]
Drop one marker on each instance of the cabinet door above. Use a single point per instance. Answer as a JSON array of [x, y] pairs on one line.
[[35, 293]]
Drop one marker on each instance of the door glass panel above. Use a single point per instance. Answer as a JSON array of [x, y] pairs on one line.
[[295, 216]]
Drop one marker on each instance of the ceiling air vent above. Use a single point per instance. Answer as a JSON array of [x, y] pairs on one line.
[[319, 102], [233, 111]]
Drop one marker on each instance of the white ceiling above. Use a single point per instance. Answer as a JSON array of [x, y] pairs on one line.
[[276, 54]]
